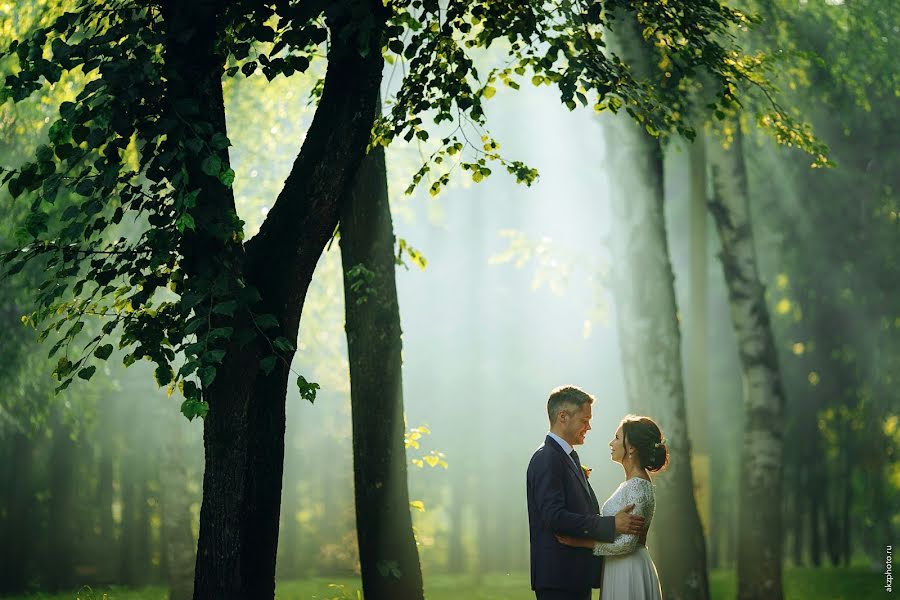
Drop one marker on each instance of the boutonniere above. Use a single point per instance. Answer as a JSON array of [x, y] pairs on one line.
[[587, 471]]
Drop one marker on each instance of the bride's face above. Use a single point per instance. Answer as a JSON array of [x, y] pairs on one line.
[[617, 446]]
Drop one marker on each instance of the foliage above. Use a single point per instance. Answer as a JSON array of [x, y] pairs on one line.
[[834, 302], [121, 147]]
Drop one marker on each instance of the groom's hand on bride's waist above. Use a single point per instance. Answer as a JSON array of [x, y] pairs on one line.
[[628, 523]]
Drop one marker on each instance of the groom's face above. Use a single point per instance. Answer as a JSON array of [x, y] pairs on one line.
[[578, 424]]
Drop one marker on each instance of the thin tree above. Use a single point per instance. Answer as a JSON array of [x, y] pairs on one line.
[[387, 548]]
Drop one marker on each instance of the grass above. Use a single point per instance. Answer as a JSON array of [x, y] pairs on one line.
[[854, 583]]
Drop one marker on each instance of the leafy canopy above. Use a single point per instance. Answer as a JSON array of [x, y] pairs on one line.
[[112, 205]]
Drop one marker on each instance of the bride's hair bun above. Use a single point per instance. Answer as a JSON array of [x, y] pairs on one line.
[[644, 435]]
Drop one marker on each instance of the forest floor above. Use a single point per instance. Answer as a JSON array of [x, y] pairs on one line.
[[854, 583]]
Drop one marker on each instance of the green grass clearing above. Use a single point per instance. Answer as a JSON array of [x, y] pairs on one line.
[[854, 583]]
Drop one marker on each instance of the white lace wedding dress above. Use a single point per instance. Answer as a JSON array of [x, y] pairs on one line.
[[628, 570]]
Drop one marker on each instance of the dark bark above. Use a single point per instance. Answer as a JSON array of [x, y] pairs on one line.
[[762, 462], [18, 493], [142, 539], [129, 570], [60, 528], [650, 338], [847, 502], [388, 556], [244, 430], [105, 494], [815, 490], [800, 508]]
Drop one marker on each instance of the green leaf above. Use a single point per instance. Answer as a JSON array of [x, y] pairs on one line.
[[206, 375], [59, 132], [219, 141], [87, 372], [266, 321], [185, 221], [283, 344], [191, 408], [163, 375], [227, 177], [212, 165], [103, 351], [225, 308], [44, 153], [267, 364], [221, 332], [194, 325], [307, 389], [188, 368], [85, 187], [213, 356]]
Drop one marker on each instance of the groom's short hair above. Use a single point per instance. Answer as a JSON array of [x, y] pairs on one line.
[[566, 397]]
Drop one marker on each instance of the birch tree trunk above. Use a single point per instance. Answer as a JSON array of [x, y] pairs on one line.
[[762, 467]]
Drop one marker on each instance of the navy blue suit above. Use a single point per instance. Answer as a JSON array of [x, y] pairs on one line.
[[561, 501]]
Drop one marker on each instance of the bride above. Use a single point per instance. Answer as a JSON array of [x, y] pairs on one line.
[[628, 571]]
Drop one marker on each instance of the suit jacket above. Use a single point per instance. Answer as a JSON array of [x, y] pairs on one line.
[[561, 501]]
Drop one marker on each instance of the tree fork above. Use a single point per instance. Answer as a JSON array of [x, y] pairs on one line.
[[244, 430]]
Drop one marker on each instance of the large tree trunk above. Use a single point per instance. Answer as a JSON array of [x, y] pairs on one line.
[[244, 430], [759, 518], [650, 342], [387, 548]]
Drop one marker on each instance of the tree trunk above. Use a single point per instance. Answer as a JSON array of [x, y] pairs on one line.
[[244, 430], [17, 547], [699, 305], [847, 503], [178, 543], [456, 559], [105, 495], [128, 483], [142, 527], [387, 548], [759, 518], [815, 540], [60, 530], [800, 508], [650, 342]]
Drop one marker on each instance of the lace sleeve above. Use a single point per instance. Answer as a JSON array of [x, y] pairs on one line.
[[641, 496]]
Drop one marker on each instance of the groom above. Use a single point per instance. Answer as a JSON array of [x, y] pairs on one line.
[[561, 501]]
